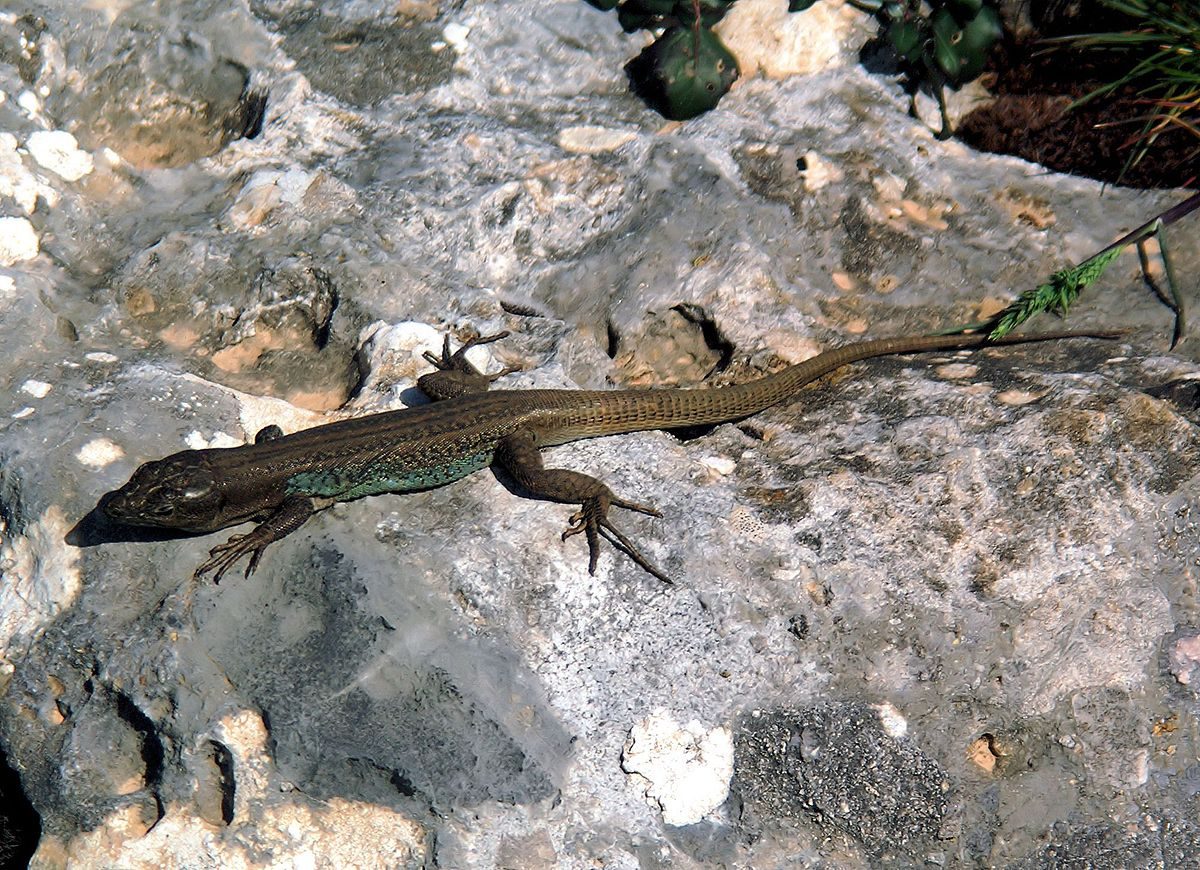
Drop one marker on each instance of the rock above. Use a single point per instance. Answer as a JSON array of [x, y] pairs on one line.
[[18, 241], [58, 151], [686, 768], [963, 582], [837, 765]]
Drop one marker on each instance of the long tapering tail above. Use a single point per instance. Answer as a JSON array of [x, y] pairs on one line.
[[589, 414]]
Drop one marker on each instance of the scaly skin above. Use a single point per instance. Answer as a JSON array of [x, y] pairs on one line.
[[280, 481]]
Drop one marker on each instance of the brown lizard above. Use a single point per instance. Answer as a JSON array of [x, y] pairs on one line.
[[280, 481]]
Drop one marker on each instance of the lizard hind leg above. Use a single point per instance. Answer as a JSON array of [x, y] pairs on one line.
[[518, 454]]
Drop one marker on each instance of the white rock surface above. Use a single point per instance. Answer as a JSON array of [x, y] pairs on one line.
[[58, 151], [685, 768], [18, 241]]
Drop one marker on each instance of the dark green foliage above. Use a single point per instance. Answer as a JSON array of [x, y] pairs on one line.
[[683, 73], [687, 69], [961, 44], [1055, 296], [940, 43], [1159, 53], [645, 14]]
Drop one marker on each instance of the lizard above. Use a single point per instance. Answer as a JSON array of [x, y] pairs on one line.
[[280, 481]]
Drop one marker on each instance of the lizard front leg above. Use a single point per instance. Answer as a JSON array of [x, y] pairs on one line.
[[288, 517], [518, 454], [455, 376]]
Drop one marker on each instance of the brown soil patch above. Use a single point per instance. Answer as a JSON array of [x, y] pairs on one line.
[[1034, 86]]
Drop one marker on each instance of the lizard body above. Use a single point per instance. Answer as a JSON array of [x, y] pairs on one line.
[[280, 481]]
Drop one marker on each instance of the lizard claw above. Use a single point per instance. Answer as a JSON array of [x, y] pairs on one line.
[[224, 556], [592, 521], [456, 376], [457, 361], [290, 515]]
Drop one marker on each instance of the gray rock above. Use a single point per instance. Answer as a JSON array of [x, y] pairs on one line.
[[998, 549], [1156, 842], [835, 764]]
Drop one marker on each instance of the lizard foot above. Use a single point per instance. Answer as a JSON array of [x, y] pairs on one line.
[[288, 517], [457, 361], [592, 521], [223, 557], [455, 376]]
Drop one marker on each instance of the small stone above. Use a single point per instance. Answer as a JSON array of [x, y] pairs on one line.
[[98, 453], [37, 389], [819, 172], [980, 754], [955, 371], [686, 768], [29, 101], [18, 241], [1185, 659], [766, 38], [893, 721], [58, 151], [593, 140], [456, 36], [721, 465], [1018, 397]]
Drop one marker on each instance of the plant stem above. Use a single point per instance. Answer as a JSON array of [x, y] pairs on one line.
[[1064, 286]]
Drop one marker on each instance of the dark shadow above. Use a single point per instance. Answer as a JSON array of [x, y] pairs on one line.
[[97, 528], [20, 824]]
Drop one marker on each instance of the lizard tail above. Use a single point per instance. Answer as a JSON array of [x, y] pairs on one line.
[[621, 411]]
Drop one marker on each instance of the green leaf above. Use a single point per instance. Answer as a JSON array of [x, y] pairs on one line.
[[684, 73], [654, 7], [1056, 295], [961, 51], [640, 14], [946, 36], [978, 37], [906, 37], [711, 11]]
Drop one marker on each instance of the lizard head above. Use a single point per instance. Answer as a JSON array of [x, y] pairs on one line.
[[179, 492]]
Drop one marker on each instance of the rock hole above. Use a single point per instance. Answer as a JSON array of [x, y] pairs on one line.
[[713, 337], [519, 309], [152, 747], [403, 784], [223, 759], [20, 824], [614, 339], [247, 121]]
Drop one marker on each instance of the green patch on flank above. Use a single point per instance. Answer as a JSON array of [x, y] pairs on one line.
[[345, 484]]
